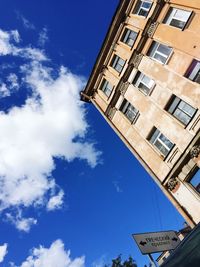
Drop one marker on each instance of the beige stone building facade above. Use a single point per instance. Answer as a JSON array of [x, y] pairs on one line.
[[146, 84]]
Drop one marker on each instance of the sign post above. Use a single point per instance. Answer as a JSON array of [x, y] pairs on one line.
[[156, 242]]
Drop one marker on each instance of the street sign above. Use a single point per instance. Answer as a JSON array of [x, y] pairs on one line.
[[156, 242]]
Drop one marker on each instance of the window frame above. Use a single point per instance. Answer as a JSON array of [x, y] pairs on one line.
[[104, 87], [177, 107], [138, 7], [115, 62], [127, 107], [126, 37], [191, 71], [191, 176], [153, 50], [139, 80], [160, 141], [167, 20]]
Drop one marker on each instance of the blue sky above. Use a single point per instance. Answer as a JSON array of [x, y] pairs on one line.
[[67, 181]]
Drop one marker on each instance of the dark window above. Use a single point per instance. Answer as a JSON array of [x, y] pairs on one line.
[[160, 142], [106, 87], [177, 17], [195, 181], [117, 63], [143, 83], [129, 111], [180, 110], [142, 7], [159, 52], [193, 72], [129, 37]]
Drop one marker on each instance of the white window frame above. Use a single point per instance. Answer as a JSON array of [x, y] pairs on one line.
[[106, 87], [127, 108], [194, 73], [126, 37], [174, 14], [115, 63], [178, 102], [154, 49], [139, 79], [140, 6], [158, 139]]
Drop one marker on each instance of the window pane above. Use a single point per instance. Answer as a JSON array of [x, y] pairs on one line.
[[166, 141], [160, 58], [159, 52], [181, 116], [162, 143], [182, 15], [186, 108], [154, 135], [195, 181], [161, 148], [164, 49], [129, 110], [146, 80], [144, 88], [146, 5], [177, 17], [174, 104], [177, 23]]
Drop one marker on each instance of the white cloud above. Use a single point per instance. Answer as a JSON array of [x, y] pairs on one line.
[[56, 255], [8, 48], [43, 37], [22, 224], [56, 201], [12, 79], [51, 124], [3, 251], [4, 91], [101, 262]]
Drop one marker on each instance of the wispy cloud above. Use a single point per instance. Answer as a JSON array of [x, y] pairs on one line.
[[117, 186], [43, 37], [55, 255], [26, 23], [51, 124]]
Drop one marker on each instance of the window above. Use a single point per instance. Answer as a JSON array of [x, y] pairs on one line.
[[129, 111], [159, 52], [193, 72], [143, 83], [195, 181], [142, 7], [106, 87], [129, 37], [177, 17], [161, 143], [117, 63], [180, 110]]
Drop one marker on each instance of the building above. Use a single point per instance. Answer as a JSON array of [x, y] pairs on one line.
[[146, 84]]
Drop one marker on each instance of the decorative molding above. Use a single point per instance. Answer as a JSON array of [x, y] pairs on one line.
[[113, 46], [195, 151], [172, 183], [152, 28], [124, 87], [135, 61], [111, 113], [103, 67]]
